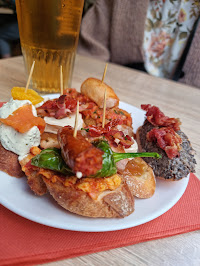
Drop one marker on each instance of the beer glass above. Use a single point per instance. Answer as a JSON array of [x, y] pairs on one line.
[[49, 31]]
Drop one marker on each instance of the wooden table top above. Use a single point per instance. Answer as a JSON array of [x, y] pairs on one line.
[[136, 88]]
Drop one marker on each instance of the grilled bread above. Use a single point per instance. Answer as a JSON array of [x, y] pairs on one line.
[[95, 89]]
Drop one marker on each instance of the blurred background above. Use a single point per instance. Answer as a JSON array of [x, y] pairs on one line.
[[159, 37]]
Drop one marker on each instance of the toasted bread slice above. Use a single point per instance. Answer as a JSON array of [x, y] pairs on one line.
[[165, 168], [36, 184], [49, 140], [109, 204], [9, 163], [140, 178], [95, 89], [34, 180]]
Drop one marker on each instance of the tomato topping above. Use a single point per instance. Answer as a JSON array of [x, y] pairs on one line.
[[64, 105], [23, 120], [114, 137], [96, 131]]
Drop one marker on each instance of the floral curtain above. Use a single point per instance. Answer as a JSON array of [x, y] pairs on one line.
[[168, 26]]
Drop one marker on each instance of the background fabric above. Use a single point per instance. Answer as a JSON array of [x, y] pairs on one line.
[[125, 32], [191, 67], [168, 27], [111, 31]]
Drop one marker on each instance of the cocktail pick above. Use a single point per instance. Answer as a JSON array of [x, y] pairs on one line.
[[30, 76], [104, 109], [104, 73], [61, 81], [104, 104], [76, 120]]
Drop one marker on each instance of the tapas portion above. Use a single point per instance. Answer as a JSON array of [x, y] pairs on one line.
[[20, 130], [81, 148], [84, 179], [163, 135]]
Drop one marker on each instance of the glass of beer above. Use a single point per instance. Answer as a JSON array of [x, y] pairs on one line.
[[49, 31]]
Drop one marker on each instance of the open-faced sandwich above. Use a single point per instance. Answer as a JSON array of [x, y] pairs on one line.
[[95, 173], [163, 135]]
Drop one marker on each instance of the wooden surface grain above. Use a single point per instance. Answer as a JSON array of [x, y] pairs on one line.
[[136, 88]]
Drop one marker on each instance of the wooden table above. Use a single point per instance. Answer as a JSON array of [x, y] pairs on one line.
[[133, 87]]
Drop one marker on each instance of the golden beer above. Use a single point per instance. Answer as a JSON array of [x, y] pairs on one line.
[[49, 31]]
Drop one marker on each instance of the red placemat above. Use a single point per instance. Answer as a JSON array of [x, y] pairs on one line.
[[23, 242]]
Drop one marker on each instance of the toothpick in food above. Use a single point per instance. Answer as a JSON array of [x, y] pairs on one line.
[[104, 103], [104, 110], [104, 73], [30, 76], [61, 81], [76, 120]]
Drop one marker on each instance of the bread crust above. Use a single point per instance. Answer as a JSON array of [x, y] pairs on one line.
[[141, 184], [34, 180], [95, 89], [140, 147], [109, 204], [49, 140], [9, 163], [168, 174]]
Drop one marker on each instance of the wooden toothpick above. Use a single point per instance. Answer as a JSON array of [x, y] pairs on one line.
[[104, 110], [61, 81], [76, 120], [30, 76], [104, 73]]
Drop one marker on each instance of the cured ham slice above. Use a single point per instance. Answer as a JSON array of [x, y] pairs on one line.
[[157, 118], [167, 139]]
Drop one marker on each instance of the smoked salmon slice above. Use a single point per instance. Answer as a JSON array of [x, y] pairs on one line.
[[22, 120]]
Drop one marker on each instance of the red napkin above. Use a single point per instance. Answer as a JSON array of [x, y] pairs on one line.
[[23, 242]]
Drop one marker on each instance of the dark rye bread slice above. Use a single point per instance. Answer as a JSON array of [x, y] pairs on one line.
[[165, 168]]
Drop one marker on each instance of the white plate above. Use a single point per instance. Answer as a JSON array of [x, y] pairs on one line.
[[16, 195]]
